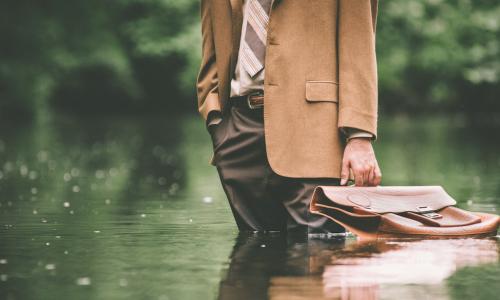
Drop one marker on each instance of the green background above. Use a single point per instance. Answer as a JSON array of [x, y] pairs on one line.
[[127, 56]]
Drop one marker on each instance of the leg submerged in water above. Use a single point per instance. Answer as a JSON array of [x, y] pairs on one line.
[[260, 199]]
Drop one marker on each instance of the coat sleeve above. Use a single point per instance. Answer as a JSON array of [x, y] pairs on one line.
[[358, 93], [207, 81]]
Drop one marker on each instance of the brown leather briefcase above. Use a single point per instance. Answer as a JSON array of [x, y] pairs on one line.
[[400, 211]]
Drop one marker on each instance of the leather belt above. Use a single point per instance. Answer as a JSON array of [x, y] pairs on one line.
[[253, 101]]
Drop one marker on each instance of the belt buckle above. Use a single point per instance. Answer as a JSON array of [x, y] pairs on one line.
[[250, 105]]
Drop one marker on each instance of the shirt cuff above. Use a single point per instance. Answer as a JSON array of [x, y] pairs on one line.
[[352, 133]]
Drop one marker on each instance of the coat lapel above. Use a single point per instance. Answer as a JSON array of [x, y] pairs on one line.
[[236, 24]]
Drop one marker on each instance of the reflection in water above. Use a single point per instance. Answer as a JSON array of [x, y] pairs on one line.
[[274, 267], [425, 262], [258, 260]]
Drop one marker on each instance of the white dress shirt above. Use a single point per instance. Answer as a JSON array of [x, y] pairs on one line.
[[242, 84]]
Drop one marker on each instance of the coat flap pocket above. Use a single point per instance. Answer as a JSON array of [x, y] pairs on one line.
[[322, 91]]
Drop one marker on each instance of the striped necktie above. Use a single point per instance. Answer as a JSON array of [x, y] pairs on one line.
[[254, 44]]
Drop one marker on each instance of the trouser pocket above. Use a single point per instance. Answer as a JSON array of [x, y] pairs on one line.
[[218, 131]]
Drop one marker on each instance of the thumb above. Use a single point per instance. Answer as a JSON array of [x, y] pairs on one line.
[[344, 174]]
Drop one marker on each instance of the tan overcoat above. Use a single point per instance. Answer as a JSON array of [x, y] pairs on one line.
[[321, 74]]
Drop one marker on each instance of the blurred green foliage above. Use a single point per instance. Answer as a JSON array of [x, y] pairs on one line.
[[98, 56], [439, 54], [142, 55]]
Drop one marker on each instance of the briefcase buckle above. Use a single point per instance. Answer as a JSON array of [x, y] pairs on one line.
[[428, 212]]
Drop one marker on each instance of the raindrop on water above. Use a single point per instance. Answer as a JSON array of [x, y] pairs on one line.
[[34, 190], [76, 189], [67, 177], [75, 172], [52, 165], [3, 277], [42, 156], [107, 201], [208, 199], [23, 170], [33, 175], [99, 174], [162, 181], [123, 282], [66, 204], [50, 267], [3, 261], [173, 188], [83, 281], [143, 215]]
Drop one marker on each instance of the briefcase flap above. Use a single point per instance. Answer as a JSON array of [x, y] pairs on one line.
[[387, 199]]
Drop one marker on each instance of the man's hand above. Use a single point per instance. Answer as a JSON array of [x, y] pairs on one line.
[[360, 157]]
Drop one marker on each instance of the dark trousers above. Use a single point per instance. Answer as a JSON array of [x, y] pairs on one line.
[[260, 199]]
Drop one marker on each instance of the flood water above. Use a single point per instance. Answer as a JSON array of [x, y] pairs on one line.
[[129, 208]]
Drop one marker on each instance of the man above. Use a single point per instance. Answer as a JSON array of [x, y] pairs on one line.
[[288, 90]]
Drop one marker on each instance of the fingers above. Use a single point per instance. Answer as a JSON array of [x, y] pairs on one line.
[[344, 175], [366, 174], [358, 179], [371, 180], [378, 175], [359, 172]]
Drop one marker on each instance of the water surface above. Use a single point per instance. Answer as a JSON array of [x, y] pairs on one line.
[[128, 208]]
